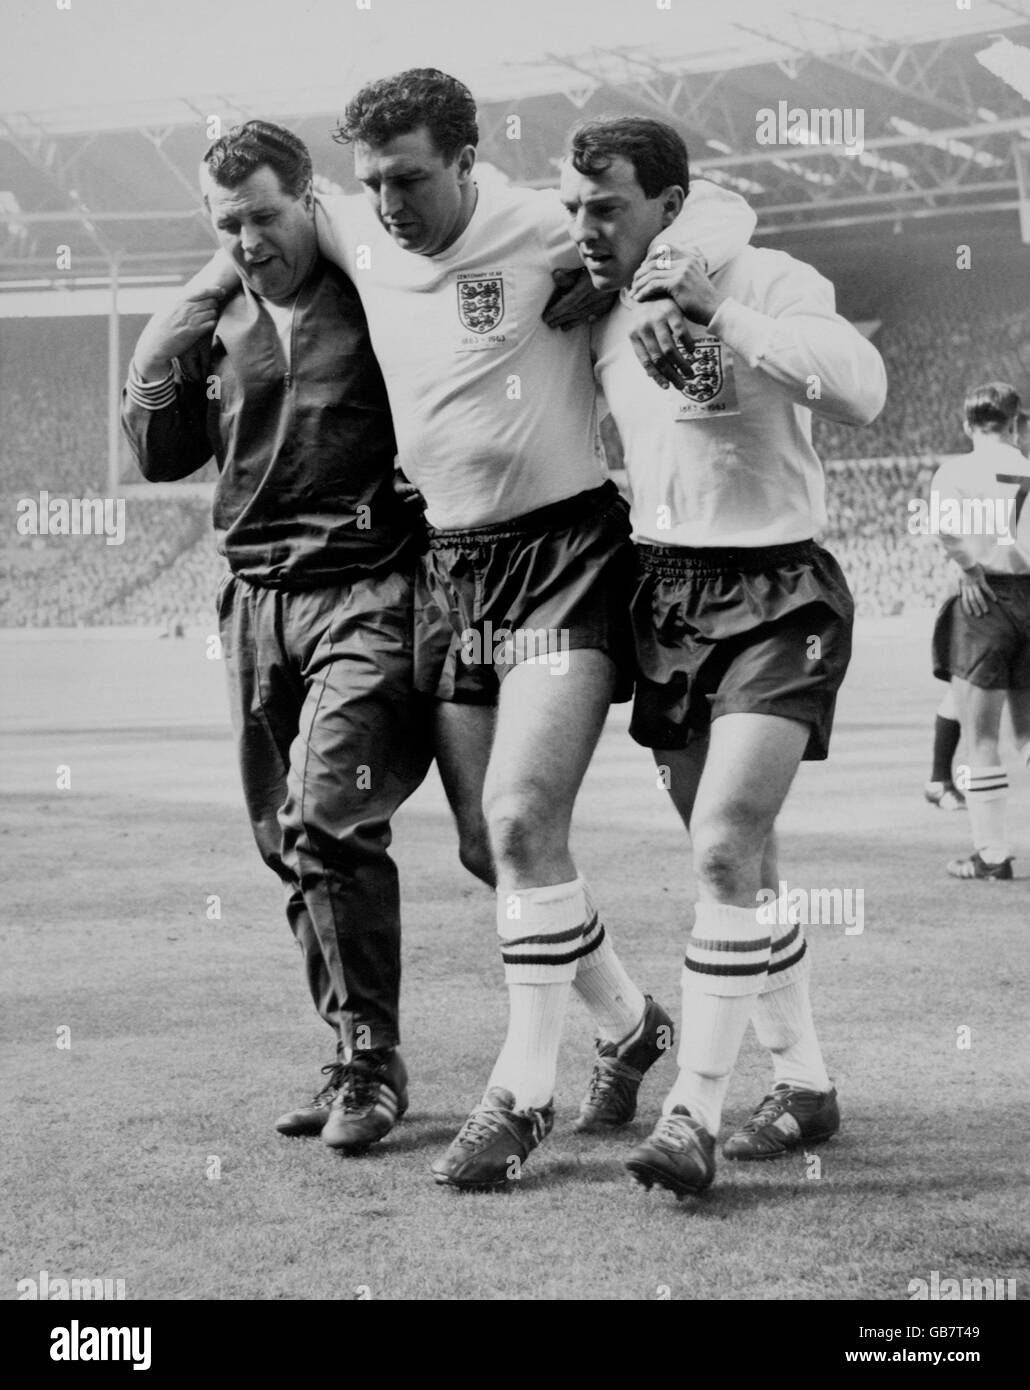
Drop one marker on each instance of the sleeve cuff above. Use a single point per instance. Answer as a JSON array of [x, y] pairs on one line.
[[150, 395], [744, 329]]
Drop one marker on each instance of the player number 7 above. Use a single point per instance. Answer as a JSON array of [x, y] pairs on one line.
[[1022, 483]]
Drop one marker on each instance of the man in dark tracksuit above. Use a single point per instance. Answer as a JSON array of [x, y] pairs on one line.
[[281, 385]]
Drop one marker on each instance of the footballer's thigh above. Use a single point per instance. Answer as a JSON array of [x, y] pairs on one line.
[[463, 736], [1019, 715], [548, 723], [752, 761]]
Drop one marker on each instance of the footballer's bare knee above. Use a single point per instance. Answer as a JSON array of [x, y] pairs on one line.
[[527, 839], [722, 874], [728, 853]]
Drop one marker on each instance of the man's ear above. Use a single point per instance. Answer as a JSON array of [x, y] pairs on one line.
[[673, 199], [466, 161], [966, 430]]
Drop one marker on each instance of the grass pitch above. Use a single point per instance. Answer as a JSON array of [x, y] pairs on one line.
[[149, 1044]]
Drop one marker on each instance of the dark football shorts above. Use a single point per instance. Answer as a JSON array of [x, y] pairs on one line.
[[992, 652], [738, 631], [536, 587]]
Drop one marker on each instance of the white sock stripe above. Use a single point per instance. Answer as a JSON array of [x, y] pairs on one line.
[[786, 961], [788, 941], [726, 961], [543, 938], [985, 780], [724, 971], [541, 953], [593, 935]]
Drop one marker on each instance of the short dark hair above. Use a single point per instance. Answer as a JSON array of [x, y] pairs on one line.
[[417, 97], [991, 407], [656, 151], [247, 147]]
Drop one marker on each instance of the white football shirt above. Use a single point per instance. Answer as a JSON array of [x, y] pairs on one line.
[[495, 413], [731, 462], [976, 507]]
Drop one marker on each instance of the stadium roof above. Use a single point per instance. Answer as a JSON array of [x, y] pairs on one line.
[[102, 64], [105, 106]]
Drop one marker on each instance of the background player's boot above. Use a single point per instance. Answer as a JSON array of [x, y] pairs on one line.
[[945, 796], [372, 1097], [493, 1143], [679, 1154], [975, 867], [787, 1119], [309, 1119], [611, 1097]]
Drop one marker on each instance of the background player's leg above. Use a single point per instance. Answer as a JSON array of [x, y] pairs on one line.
[[463, 736], [987, 793], [947, 731], [1018, 704]]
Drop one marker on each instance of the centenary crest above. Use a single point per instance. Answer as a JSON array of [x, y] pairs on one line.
[[706, 378], [481, 303]]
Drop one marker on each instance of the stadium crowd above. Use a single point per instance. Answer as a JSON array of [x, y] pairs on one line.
[[53, 403], [941, 335], [165, 572], [889, 570]]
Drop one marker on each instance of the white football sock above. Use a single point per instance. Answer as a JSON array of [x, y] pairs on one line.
[[725, 968], [541, 931], [616, 1004], [528, 1062], [986, 801], [783, 1011]]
